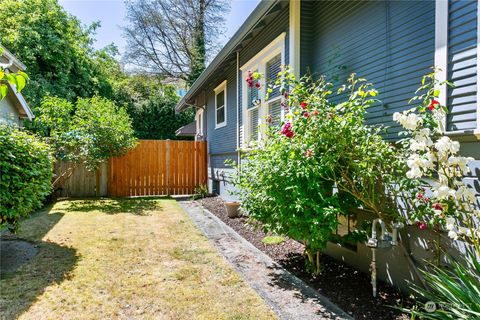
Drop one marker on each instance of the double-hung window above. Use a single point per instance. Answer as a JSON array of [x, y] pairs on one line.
[[258, 104], [221, 105]]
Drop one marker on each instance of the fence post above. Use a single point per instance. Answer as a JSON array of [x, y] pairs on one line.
[[168, 165]]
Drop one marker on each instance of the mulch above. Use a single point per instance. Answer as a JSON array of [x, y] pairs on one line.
[[345, 286]]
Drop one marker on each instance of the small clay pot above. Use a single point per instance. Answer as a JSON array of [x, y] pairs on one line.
[[232, 208]]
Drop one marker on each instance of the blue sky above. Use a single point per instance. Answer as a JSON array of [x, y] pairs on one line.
[[111, 14]]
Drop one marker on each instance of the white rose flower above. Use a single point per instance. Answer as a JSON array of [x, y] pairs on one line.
[[411, 122], [450, 223], [442, 192], [397, 116], [453, 235]]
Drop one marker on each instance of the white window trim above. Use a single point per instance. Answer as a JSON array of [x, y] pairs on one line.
[[441, 62], [221, 87], [259, 62], [199, 122]]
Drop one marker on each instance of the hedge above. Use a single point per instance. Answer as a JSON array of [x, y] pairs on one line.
[[26, 168]]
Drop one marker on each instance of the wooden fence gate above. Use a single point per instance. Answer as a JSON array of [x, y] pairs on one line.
[[159, 167]]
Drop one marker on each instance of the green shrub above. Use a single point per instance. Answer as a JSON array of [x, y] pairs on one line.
[[26, 166], [287, 181]]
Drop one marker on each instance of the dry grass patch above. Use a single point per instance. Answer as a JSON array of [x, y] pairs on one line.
[[124, 259]]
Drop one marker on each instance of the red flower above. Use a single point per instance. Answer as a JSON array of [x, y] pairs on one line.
[[437, 206], [433, 104], [305, 114], [303, 105], [287, 130], [257, 85], [420, 196], [422, 225]]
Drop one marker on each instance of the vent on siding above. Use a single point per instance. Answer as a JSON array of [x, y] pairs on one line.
[[254, 124], [275, 110], [274, 67], [462, 64]]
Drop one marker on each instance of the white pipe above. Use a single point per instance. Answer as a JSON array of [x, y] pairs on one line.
[[238, 107]]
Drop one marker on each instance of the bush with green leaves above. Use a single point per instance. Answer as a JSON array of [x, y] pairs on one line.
[[89, 132], [286, 181], [26, 166]]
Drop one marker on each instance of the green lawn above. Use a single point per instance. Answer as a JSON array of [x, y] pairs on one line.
[[123, 259]]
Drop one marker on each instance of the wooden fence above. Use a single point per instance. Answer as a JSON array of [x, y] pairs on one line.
[[159, 167]]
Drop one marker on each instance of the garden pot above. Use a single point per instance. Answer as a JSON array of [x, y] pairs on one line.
[[232, 209]]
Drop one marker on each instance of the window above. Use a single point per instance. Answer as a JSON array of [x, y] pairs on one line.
[[221, 105], [274, 66], [256, 108]]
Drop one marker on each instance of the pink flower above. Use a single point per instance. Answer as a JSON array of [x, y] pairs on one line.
[[303, 105], [420, 196], [308, 153], [305, 114], [315, 113], [287, 130]]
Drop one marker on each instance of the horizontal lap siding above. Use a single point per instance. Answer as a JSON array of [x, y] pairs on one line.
[[275, 27], [462, 68], [222, 140], [390, 43]]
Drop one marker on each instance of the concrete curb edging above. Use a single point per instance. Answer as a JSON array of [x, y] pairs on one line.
[[287, 295]]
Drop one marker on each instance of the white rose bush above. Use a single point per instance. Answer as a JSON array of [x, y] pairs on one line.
[[445, 202]]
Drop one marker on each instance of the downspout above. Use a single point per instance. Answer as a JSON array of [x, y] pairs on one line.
[[238, 108]]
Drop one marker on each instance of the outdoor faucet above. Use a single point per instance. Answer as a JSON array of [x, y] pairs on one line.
[[373, 242], [374, 229]]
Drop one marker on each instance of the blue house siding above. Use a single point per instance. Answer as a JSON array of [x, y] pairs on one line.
[[390, 43], [462, 64], [222, 140]]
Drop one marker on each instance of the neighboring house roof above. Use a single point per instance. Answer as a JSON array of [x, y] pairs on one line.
[[8, 60], [10, 63], [263, 8], [188, 130]]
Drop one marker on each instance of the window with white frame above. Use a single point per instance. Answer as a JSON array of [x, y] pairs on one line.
[[256, 107], [221, 105]]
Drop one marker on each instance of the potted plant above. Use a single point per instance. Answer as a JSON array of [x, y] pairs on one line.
[[232, 208]]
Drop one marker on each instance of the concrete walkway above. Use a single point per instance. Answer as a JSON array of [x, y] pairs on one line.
[[289, 296]]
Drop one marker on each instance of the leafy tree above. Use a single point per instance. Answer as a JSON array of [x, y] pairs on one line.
[[151, 105], [90, 131], [26, 166], [173, 38], [55, 47]]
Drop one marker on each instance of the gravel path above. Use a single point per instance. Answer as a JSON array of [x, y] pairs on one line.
[[290, 297]]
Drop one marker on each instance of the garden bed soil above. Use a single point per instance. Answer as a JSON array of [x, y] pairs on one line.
[[345, 286]]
